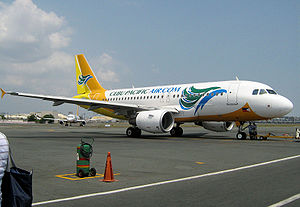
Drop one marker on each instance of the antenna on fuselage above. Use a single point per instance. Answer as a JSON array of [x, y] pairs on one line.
[[237, 78]]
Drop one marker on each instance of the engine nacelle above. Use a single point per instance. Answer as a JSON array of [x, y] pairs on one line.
[[156, 121], [217, 126]]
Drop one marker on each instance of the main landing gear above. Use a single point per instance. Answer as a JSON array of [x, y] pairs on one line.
[[136, 132], [241, 135], [133, 132], [176, 131]]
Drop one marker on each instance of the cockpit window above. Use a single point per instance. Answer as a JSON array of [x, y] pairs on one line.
[[262, 91], [255, 92], [270, 91]]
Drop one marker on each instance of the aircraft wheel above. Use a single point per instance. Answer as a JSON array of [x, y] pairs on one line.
[[137, 132], [176, 132], [130, 132], [179, 131], [133, 132], [241, 135], [173, 132]]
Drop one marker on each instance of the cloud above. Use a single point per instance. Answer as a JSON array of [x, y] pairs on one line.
[[28, 33], [44, 75], [105, 68], [31, 49]]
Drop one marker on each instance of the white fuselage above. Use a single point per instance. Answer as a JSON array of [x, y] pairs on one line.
[[218, 101], [71, 118]]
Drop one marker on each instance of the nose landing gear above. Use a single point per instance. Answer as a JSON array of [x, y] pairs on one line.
[[241, 135]]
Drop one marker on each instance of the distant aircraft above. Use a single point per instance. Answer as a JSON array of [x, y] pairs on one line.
[[160, 109], [71, 119]]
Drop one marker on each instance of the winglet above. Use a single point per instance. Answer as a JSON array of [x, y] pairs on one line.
[[3, 92]]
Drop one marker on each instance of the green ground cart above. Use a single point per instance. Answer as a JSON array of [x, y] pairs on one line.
[[84, 154]]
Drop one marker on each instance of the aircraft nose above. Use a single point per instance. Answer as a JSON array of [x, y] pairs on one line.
[[286, 106]]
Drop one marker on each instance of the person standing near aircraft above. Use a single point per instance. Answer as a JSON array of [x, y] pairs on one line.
[[4, 149]]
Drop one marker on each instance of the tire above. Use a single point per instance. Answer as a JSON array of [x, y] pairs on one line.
[[137, 132], [179, 131], [130, 132], [92, 171], [264, 138], [173, 132], [241, 135], [80, 174], [176, 132]]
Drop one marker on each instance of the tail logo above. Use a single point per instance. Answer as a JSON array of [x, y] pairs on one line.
[[83, 79]]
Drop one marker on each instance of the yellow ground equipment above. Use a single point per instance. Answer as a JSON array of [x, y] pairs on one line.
[[264, 137]]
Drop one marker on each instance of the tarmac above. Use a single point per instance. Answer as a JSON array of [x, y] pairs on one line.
[[202, 168]]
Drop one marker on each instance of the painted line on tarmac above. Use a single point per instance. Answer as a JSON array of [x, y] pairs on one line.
[[286, 201], [165, 182]]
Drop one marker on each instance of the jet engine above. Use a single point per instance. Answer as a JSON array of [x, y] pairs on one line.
[[217, 126], [156, 121]]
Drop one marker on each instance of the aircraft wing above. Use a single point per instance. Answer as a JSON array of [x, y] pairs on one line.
[[120, 108]]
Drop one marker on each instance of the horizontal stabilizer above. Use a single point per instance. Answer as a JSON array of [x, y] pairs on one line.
[[3, 92]]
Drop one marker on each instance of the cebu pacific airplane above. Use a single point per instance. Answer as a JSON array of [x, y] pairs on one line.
[[216, 106]]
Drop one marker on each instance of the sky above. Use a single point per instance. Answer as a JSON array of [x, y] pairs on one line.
[[145, 43]]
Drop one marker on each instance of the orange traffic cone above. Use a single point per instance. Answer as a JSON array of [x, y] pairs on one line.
[[108, 174]]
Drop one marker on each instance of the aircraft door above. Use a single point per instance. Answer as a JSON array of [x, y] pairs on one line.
[[232, 98], [166, 98]]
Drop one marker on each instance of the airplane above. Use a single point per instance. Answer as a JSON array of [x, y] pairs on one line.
[[71, 119], [216, 106]]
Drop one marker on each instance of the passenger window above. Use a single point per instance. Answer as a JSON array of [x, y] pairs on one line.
[[262, 91], [255, 92]]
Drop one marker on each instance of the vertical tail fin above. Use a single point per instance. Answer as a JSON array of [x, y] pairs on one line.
[[85, 78]]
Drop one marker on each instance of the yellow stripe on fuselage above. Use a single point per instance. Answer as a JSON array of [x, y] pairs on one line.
[[238, 115]]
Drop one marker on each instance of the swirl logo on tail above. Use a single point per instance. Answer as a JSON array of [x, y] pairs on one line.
[[192, 95], [83, 79]]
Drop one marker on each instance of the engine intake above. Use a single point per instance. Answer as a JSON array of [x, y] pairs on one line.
[[156, 121]]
